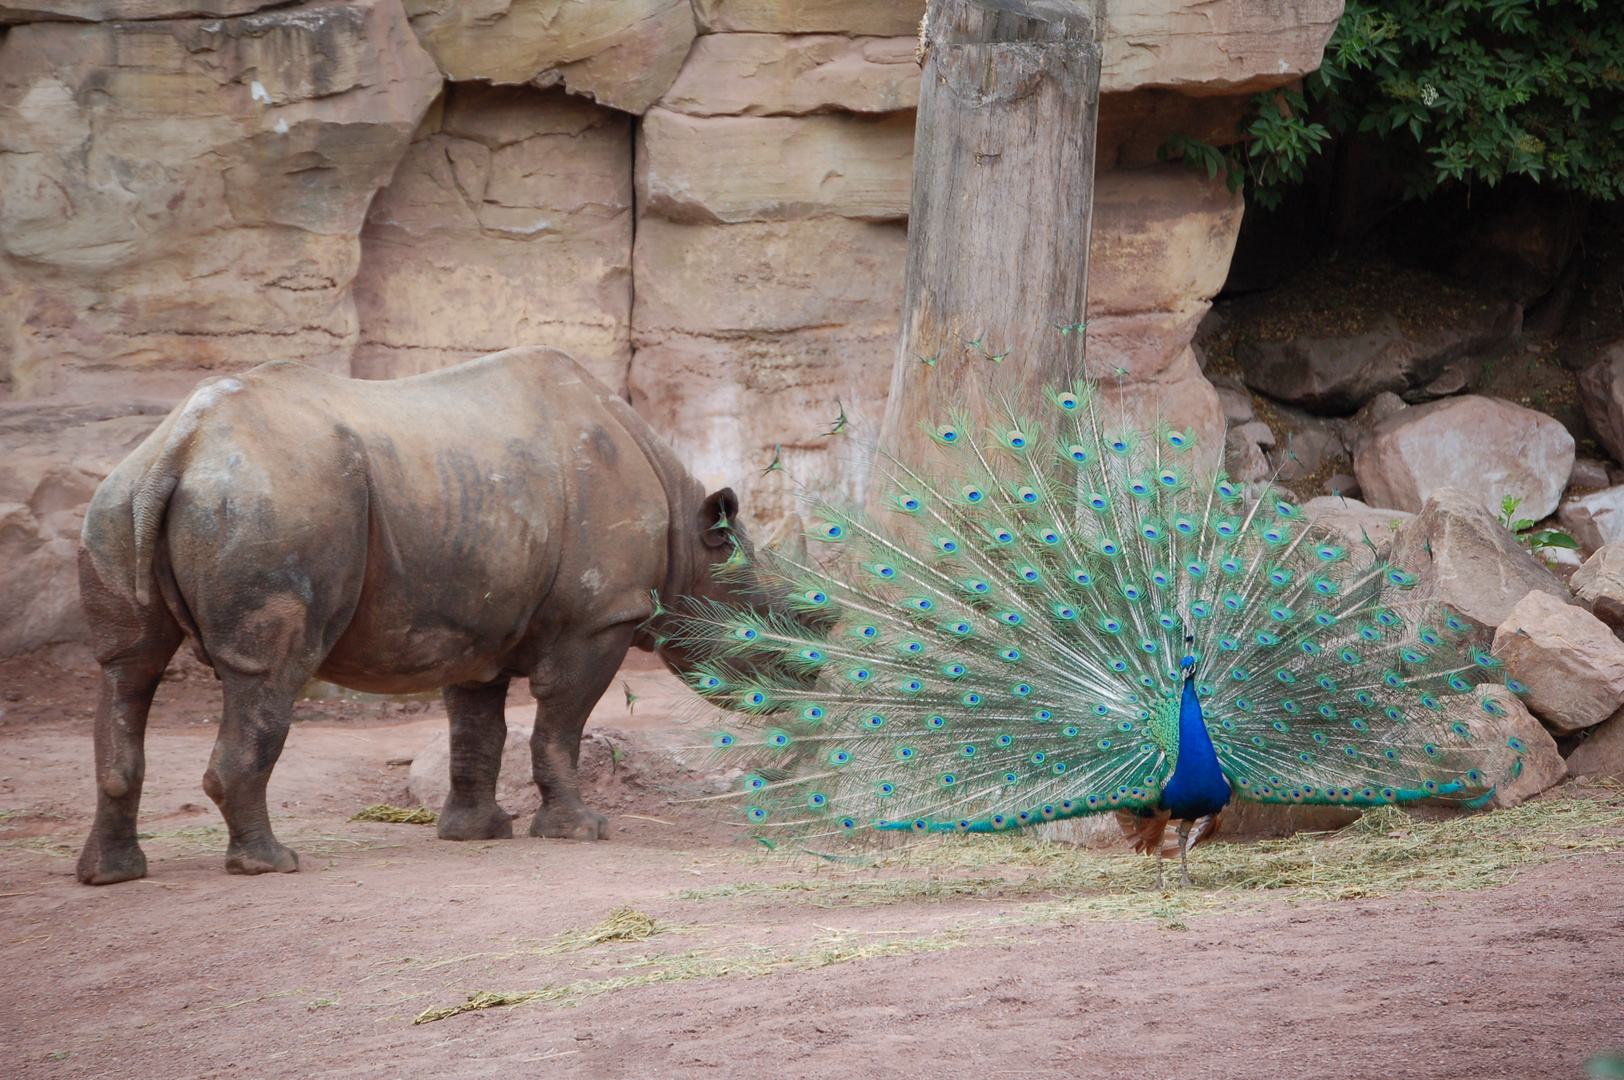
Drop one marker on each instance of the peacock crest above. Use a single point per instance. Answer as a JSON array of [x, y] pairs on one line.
[[1009, 639]]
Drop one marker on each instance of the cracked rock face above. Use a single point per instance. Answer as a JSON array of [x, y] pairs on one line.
[[185, 195], [509, 222], [621, 53]]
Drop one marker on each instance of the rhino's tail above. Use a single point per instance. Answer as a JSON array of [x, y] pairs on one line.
[[151, 499]]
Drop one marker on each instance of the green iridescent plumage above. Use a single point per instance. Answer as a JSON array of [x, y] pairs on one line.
[[1002, 645]]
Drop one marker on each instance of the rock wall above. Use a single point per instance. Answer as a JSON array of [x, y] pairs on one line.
[[509, 221], [706, 203], [181, 195]]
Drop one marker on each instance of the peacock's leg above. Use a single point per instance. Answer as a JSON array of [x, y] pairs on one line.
[[1184, 853], [1159, 885]]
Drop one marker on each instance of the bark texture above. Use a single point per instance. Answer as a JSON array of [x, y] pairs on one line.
[[1003, 178]]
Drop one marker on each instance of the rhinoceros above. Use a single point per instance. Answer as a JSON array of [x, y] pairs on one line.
[[506, 517]]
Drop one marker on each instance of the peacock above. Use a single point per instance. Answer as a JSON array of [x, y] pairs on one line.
[[1054, 612]]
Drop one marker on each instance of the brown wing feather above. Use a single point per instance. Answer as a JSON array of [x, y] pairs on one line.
[[1148, 830], [1205, 828], [1145, 829]]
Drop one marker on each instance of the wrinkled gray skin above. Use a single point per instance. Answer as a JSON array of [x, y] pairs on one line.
[[506, 517]]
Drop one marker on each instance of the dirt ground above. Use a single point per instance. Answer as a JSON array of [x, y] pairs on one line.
[[761, 964]]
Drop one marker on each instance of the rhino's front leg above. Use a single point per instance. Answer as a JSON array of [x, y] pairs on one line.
[[567, 683]]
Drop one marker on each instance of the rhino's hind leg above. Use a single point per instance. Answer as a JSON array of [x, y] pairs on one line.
[[258, 710], [134, 644], [567, 685], [112, 853], [478, 734]]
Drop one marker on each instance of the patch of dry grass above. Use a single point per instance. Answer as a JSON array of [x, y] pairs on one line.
[[747, 961], [397, 815], [1386, 851]]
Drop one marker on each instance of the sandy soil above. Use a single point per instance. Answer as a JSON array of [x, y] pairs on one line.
[[193, 973]]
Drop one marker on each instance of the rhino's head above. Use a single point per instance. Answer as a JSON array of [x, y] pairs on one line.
[[717, 564]]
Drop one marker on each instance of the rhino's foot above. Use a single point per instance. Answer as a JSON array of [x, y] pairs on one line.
[[103, 862], [474, 822], [269, 857], [570, 823]]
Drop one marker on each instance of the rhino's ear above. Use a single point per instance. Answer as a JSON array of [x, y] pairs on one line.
[[720, 512]]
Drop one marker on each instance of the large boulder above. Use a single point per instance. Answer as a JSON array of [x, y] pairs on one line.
[[783, 75], [1595, 519], [1241, 820], [1161, 239], [1357, 522], [1568, 659], [1599, 585], [1540, 765], [508, 223], [1601, 393], [182, 196], [1485, 448], [1467, 559], [1602, 753], [1335, 373], [620, 53]]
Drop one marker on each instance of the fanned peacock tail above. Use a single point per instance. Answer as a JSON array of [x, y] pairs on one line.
[[1002, 647]]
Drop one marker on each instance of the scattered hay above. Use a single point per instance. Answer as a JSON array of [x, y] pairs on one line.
[[622, 924], [41, 845], [193, 841], [755, 961], [397, 815], [1387, 850]]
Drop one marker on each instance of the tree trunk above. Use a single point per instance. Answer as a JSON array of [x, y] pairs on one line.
[[1003, 188]]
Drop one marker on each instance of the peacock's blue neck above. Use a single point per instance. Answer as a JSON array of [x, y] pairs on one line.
[[1197, 785]]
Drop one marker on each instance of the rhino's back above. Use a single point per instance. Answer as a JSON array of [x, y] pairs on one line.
[[451, 514]]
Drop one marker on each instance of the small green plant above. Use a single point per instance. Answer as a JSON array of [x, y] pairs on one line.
[[1535, 540]]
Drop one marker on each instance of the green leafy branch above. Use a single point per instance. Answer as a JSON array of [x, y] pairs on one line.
[[1456, 91], [1275, 142]]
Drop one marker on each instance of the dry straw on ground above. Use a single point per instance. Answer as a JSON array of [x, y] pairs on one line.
[[1386, 851], [397, 815]]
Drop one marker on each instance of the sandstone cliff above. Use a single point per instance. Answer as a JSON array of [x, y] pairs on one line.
[[706, 203]]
